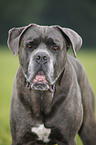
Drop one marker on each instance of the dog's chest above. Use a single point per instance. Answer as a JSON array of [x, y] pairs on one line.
[[42, 132]]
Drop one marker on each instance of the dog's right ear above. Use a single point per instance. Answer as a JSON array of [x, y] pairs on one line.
[[13, 39]]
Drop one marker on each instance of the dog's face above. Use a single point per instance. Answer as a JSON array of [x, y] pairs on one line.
[[42, 56], [43, 52]]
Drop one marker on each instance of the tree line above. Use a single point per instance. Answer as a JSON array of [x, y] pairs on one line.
[[79, 15]]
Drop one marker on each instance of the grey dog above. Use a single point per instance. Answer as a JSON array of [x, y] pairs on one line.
[[52, 99]]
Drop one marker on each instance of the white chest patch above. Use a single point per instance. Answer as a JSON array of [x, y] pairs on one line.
[[42, 132]]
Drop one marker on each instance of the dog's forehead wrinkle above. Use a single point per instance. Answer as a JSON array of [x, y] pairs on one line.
[[42, 33], [48, 31], [54, 40], [31, 39], [43, 29], [32, 33]]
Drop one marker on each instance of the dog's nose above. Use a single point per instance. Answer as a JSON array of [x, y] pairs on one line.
[[41, 58]]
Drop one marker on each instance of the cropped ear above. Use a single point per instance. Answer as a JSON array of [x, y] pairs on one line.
[[74, 41], [14, 37]]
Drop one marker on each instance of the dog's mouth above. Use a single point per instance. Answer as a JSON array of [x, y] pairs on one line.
[[40, 78], [40, 83]]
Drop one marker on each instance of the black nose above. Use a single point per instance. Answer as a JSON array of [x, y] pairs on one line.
[[41, 58]]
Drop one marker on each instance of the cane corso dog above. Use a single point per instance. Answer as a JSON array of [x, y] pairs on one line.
[[52, 99]]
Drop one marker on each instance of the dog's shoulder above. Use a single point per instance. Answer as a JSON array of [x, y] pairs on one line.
[[76, 65], [74, 62]]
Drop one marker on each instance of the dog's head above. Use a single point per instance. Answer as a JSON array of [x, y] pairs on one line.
[[42, 52]]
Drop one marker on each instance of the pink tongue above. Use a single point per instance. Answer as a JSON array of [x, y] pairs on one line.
[[40, 77]]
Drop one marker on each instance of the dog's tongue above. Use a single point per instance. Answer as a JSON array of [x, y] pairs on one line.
[[40, 77]]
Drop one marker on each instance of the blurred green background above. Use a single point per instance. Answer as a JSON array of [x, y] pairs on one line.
[[8, 68], [79, 15]]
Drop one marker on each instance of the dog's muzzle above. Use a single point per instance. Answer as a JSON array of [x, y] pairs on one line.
[[40, 83]]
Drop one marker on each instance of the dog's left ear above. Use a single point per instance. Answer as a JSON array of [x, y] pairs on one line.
[[73, 39]]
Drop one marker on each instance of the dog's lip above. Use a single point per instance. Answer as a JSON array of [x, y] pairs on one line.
[[40, 81], [51, 88], [40, 78]]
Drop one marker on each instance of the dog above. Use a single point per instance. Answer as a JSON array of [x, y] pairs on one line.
[[52, 99]]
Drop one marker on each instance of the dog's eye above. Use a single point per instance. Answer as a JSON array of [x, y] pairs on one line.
[[29, 46], [55, 47]]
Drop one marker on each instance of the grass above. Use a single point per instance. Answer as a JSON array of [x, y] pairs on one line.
[[8, 67]]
